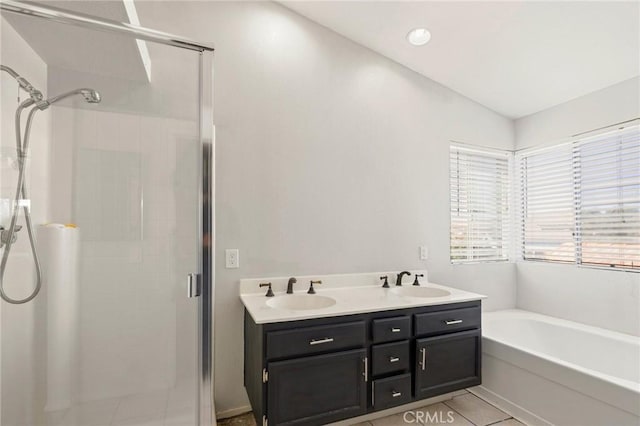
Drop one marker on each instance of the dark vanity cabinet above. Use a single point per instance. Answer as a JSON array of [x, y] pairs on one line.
[[449, 358], [390, 361], [446, 363], [317, 389], [314, 372]]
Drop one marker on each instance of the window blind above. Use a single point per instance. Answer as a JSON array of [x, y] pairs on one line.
[[580, 201], [607, 173], [547, 205], [479, 203]]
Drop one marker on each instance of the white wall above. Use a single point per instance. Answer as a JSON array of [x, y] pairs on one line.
[[608, 299], [22, 326], [330, 159], [605, 107]]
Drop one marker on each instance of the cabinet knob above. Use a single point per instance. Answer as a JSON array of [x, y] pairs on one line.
[[394, 359]]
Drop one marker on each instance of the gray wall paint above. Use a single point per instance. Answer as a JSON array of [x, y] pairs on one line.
[[605, 107], [330, 159], [607, 299]]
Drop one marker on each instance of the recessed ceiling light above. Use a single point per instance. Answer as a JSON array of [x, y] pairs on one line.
[[419, 36]]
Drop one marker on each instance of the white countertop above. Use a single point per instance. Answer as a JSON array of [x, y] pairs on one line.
[[353, 293]]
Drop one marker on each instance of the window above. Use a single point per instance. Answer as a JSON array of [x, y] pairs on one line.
[[607, 170], [547, 209], [580, 201], [479, 195]]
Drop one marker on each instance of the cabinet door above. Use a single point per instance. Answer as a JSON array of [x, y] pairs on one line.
[[317, 390], [447, 363]]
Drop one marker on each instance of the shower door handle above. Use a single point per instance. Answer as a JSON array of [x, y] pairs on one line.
[[193, 285]]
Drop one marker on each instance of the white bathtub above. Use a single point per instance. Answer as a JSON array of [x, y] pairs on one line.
[[545, 370]]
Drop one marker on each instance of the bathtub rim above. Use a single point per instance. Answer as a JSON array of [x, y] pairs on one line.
[[522, 313], [622, 394]]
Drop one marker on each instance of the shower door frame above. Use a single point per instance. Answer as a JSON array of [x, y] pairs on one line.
[[205, 282]]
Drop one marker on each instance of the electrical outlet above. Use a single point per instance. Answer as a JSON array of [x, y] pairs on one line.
[[424, 253], [232, 258]]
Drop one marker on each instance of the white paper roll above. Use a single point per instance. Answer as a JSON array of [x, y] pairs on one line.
[[58, 246]]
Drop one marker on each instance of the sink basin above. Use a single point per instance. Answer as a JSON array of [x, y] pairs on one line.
[[415, 291], [301, 302]]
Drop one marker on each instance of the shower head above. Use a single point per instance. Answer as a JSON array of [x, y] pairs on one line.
[[89, 95]]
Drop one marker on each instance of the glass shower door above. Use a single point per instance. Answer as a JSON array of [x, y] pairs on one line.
[[112, 337]]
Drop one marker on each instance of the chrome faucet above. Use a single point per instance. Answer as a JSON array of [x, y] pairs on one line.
[[400, 275], [290, 284]]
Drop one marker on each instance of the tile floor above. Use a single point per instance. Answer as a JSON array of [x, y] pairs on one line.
[[173, 407], [463, 410]]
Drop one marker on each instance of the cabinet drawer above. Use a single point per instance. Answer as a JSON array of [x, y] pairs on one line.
[[391, 391], [390, 357], [311, 340], [447, 321], [389, 329]]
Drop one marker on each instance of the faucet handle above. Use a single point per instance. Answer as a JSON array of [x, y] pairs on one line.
[[311, 289], [415, 281], [269, 291], [386, 281]]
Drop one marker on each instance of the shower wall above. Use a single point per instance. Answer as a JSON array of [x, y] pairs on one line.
[[128, 181], [21, 326]]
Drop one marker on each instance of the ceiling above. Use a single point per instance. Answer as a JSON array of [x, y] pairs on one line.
[[516, 57], [67, 47]]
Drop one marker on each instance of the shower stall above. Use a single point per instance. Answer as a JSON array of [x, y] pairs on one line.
[[106, 198]]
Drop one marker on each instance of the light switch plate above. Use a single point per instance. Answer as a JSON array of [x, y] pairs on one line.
[[232, 258], [424, 253]]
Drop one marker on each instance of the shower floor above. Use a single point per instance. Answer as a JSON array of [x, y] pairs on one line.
[[159, 408]]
